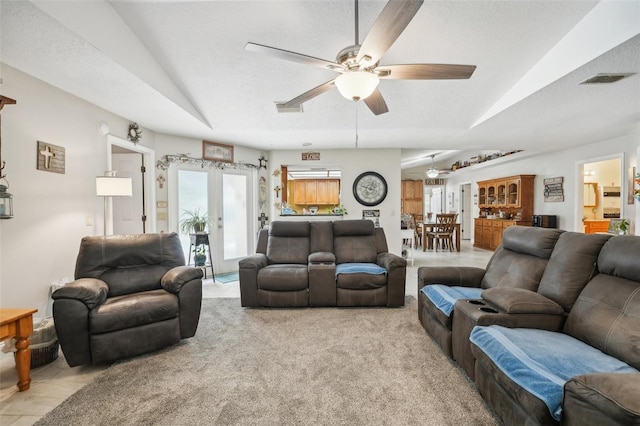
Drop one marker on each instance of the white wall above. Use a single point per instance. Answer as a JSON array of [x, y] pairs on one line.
[[174, 145], [352, 162], [567, 164], [52, 211]]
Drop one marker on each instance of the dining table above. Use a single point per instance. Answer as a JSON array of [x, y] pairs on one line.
[[428, 242]]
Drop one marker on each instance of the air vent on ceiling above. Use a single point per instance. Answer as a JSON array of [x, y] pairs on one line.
[[282, 108], [606, 78]]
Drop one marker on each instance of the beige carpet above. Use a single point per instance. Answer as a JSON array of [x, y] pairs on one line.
[[329, 366]]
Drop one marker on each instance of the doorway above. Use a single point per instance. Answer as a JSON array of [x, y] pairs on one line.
[[601, 193], [225, 195], [135, 215], [465, 211]]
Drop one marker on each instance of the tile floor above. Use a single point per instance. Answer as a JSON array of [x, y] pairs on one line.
[[53, 383]]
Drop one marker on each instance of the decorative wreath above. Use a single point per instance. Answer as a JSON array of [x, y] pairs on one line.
[[134, 132]]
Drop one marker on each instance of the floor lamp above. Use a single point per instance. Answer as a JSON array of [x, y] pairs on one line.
[[111, 186]]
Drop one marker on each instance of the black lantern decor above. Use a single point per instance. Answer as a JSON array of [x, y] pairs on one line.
[[6, 202]]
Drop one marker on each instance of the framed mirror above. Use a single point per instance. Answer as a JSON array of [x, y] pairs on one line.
[[591, 194]]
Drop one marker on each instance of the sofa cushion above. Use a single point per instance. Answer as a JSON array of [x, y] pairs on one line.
[[606, 315], [356, 268], [133, 310], [571, 265], [129, 263], [619, 257], [444, 297], [542, 361], [361, 281], [288, 242], [354, 241], [521, 258], [283, 277]]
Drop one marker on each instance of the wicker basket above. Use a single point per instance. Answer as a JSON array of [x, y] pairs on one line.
[[44, 344], [44, 355]]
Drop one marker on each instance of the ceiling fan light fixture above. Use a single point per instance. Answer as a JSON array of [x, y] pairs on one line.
[[356, 85], [432, 173]]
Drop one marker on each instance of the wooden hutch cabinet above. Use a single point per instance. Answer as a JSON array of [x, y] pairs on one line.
[[412, 197], [513, 196]]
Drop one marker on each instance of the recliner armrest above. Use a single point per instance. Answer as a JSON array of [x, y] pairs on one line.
[[255, 261], [603, 398], [322, 257], [521, 301], [173, 280], [90, 291], [389, 261], [463, 276]]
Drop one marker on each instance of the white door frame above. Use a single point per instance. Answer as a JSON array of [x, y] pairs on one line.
[[149, 161], [579, 186]]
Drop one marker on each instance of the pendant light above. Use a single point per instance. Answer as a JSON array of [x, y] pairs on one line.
[[432, 172]]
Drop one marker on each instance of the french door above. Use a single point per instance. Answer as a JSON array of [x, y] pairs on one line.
[[227, 198]]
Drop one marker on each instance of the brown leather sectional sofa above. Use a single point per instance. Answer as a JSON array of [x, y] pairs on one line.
[[570, 287], [340, 263]]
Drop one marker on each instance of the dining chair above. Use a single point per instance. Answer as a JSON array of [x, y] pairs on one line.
[[443, 233]]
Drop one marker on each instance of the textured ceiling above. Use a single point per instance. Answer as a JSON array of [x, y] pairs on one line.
[[180, 68]]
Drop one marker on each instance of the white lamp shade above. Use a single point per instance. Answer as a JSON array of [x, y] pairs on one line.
[[432, 173], [356, 85], [111, 186]]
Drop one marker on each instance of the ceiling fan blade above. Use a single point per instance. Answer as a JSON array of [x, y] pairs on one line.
[[293, 56], [391, 22], [376, 103], [308, 95], [425, 71]]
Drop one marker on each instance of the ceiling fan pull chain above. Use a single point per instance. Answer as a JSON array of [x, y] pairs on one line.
[[356, 104], [357, 43]]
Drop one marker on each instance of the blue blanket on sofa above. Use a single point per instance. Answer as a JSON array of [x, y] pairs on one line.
[[444, 297], [542, 361], [360, 268]]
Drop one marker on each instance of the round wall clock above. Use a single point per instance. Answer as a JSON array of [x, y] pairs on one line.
[[370, 189]]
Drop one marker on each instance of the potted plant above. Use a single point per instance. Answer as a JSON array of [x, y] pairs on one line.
[[192, 221], [623, 226], [200, 257]]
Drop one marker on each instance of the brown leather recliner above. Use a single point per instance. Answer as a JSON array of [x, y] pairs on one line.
[[132, 294]]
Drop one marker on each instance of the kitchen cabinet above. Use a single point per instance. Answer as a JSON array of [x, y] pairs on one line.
[[316, 192], [487, 233], [511, 195], [595, 226], [412, 198]]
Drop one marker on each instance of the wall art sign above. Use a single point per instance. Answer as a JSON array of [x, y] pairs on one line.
[[437, 181], [217, 151], [310, 156], [50, 158], [553, 190], [372, 215]]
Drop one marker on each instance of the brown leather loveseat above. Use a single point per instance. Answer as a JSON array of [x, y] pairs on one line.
[[341, 263]]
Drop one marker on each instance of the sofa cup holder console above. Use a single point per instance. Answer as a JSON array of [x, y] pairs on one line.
[[487, 309], [476, 302]]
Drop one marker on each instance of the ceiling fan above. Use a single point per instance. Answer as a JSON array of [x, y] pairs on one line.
[[358, 65]]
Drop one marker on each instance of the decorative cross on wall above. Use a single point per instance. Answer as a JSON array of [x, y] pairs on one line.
[[47, 154]]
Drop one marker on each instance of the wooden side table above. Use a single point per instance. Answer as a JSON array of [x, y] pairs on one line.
[[18, 323]]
